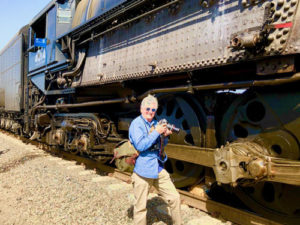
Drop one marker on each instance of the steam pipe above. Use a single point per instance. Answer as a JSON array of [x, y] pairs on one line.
[[186, 88], [229, 85], [85, 104], [246, 40], [78, 66]]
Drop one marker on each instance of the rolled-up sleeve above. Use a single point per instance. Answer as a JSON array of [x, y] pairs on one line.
[[139, 137]]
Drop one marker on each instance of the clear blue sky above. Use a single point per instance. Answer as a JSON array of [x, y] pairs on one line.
[[14, 14]]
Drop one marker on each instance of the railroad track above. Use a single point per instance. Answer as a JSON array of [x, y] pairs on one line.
[[205, 204]]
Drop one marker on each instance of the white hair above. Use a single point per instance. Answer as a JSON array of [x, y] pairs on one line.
[[150, 99]]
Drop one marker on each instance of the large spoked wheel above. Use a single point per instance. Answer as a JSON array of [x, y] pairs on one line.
[[274, 200], [273, 119], [185, 113]]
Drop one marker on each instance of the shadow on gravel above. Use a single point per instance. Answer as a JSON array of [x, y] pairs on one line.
[[9, 166], [157, 210], [4, 151]]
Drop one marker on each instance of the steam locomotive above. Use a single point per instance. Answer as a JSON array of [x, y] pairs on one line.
[[226, 72]]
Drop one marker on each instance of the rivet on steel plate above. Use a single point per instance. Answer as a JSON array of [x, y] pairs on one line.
[[278, 35], [284, 16], [244, 3], [282, 41], [205, 4], [285, 31], [271, 38], [280, 2], [277, 14]]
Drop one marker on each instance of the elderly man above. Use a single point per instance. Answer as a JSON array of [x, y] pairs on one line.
[[144, 134]]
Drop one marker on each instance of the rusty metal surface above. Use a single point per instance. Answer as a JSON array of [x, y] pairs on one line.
[[232, 214], [11, 72], [275, 65], [283, 17], [250, 160], [194, 37], [293, 43]]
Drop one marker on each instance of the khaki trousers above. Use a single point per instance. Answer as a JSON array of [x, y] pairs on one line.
[[167, 191]]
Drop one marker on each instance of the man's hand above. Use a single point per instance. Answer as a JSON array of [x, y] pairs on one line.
[[161, 128], [167, 133]]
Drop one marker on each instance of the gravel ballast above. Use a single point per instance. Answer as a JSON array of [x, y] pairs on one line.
[[38, 188]]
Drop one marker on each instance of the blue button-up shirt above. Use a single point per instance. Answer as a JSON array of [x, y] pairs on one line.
[[149, 163]]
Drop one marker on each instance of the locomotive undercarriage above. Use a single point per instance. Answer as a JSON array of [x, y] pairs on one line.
[[245, 141], [12, 121], [249, 139]]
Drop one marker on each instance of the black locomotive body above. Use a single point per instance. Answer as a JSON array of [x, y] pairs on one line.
[[225, 71]]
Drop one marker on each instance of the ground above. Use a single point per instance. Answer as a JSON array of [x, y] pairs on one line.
[[38, 188]]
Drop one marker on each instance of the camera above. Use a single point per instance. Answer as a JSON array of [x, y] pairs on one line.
[[170, 127]]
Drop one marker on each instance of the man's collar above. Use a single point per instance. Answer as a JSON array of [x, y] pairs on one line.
[[150, 123]]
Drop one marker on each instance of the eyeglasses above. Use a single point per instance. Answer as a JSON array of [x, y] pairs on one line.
[[148, 109]]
